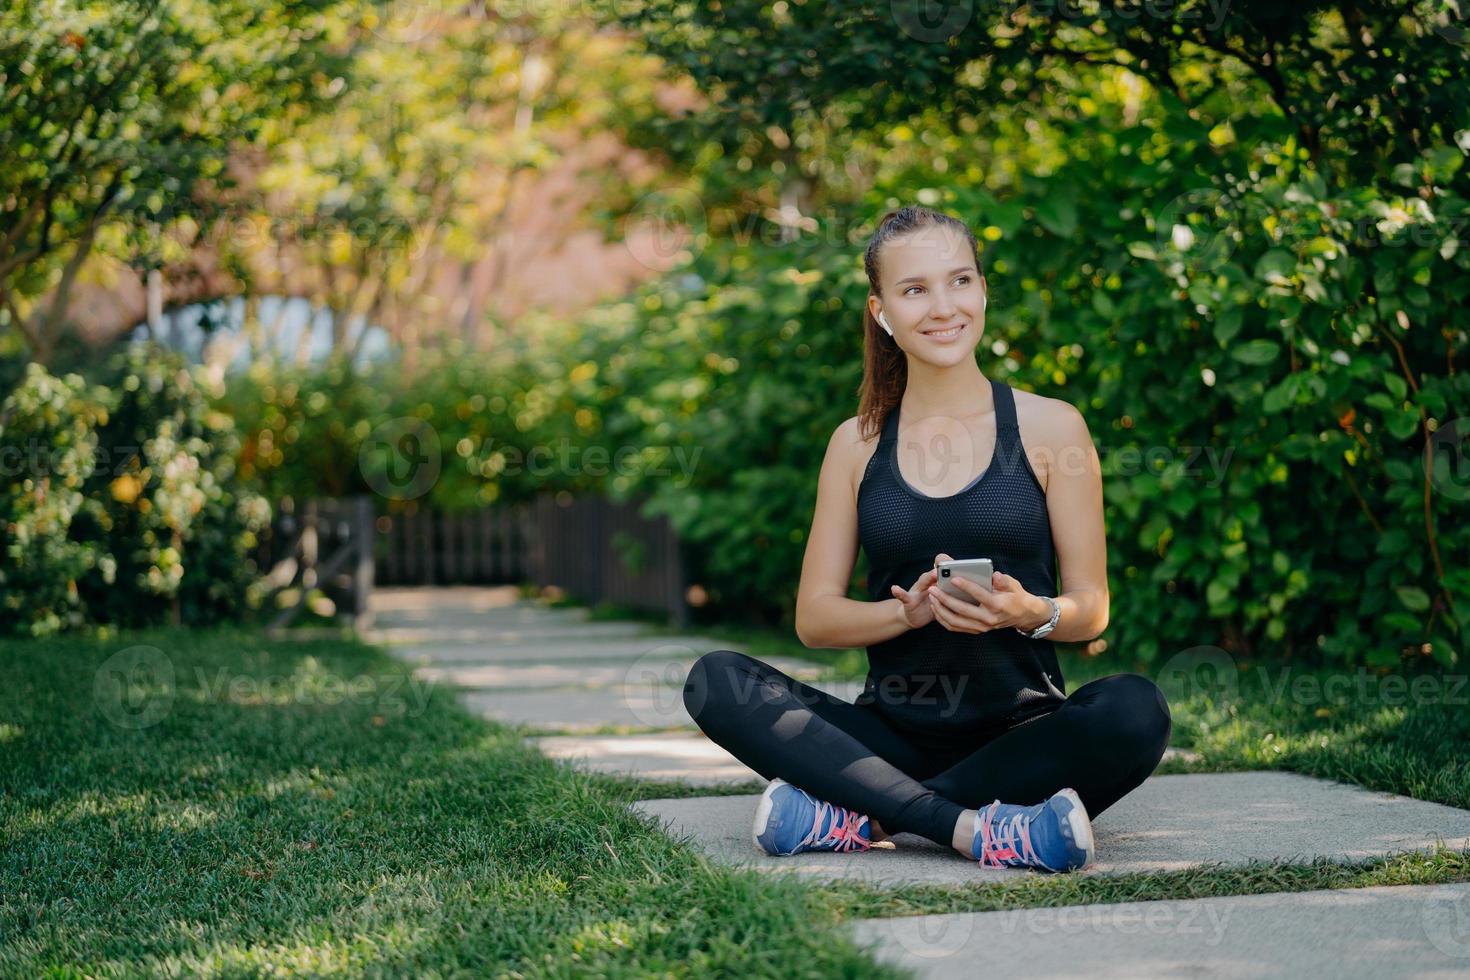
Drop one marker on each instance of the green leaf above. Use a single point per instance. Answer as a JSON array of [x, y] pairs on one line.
[[1257, 352], [1280, 396], [1057, 214], [1227, 324], [1402, 424], [1396, 385], [1414, 598], [1276, 263]]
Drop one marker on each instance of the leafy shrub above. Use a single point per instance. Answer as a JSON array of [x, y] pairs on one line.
[[137, 517], [48, 443]]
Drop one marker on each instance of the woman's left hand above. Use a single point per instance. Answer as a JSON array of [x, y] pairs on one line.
[[1007, 603]]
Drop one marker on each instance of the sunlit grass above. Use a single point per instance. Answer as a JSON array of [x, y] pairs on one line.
[[292, 810]]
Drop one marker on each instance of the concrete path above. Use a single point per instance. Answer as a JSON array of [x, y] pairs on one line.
[[606, 695], [1167, 824], [1347, 934]]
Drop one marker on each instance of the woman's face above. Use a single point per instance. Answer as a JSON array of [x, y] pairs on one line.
[[930, 287]]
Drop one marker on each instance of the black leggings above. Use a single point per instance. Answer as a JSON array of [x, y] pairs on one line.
[[1103, 741]]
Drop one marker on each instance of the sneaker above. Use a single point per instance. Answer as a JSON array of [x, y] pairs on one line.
[[1055, 835], [791, 820]]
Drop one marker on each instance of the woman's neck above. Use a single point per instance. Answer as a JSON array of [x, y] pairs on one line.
[[956, 391]]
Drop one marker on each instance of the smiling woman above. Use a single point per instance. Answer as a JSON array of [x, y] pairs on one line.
[[964, 705]]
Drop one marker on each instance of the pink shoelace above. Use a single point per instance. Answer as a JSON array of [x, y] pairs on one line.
[[999, 838], [846, 830]]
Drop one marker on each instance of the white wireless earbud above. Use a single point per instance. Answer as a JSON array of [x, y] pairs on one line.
[[983, 298], [883, 321]]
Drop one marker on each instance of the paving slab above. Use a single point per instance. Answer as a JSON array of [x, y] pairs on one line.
[[690, 758], [1169, 823], [571, 649], [641, 703], [668, 672], [686, 757], [486, 633], [1345, 934]]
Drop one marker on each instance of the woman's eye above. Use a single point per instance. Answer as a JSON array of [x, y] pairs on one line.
[[956, 279]]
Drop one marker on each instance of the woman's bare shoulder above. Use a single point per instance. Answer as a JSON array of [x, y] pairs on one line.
[[857, 449], [1049, 428]]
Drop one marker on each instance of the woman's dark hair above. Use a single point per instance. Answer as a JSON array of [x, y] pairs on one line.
[[885, 368]]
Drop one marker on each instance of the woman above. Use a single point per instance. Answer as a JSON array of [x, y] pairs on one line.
[[963, 706]]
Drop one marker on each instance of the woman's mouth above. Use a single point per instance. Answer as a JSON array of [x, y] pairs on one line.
[[949, 333]]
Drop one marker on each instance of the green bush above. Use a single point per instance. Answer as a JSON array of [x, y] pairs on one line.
[[48, 443], [137, 516], [1315, 362]]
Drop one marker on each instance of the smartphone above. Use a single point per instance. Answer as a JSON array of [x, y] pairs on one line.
[[977, 570]]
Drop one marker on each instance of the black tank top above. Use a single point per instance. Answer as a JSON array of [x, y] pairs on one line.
[[933, 682]]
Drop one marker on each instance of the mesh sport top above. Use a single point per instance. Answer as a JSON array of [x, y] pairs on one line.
[[932, 681]]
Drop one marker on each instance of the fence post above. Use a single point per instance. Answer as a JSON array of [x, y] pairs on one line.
[[364, 536]]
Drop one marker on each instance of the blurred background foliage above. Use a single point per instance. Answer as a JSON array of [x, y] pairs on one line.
[[1234, 236]]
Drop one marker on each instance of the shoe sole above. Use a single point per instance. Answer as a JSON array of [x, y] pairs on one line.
[[1080, 825], [763, 815]]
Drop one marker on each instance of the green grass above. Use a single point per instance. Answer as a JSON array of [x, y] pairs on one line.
[[307, 805], [285, 826]]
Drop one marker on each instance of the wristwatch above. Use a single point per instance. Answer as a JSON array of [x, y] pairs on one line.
[[1046, 627]]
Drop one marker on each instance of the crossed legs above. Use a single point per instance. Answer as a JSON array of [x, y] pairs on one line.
[[1103, 741]]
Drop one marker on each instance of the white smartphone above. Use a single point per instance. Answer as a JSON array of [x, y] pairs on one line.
[[977, 570]]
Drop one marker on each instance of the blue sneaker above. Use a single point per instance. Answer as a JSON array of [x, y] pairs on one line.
[[1054, 835], [791, 820]]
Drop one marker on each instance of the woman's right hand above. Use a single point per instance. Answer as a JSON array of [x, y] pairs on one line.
[[917, 609]]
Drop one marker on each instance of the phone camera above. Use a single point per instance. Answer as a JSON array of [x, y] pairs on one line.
[[944, 573]]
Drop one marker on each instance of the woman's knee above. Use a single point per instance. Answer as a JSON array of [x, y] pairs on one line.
[[712, 682], [1137, 713]]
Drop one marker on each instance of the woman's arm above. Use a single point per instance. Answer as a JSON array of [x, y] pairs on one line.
[[1074, 503], [825, 616]]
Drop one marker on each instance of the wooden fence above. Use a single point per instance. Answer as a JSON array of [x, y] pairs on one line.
[[594, 549]]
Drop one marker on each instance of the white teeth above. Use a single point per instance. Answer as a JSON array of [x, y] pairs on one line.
[[946, 333]]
